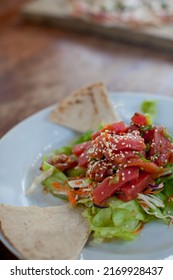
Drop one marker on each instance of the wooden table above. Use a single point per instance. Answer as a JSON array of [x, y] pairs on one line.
[[40, 66]]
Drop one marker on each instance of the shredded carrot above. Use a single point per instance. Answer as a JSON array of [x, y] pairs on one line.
[[148, 191], [55, 184], [71, 193], [143, 204], [79, 182], [81, 191], [58, 186], [71, 196], [136, 231]]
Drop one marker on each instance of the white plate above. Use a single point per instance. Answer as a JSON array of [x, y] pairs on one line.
[[22, 148]]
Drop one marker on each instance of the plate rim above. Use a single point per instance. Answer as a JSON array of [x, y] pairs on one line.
[[47, 108]]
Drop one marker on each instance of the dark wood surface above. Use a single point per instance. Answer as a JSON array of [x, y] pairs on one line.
[[40, 66]]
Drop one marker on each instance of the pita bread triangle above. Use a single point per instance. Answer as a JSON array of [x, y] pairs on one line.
[[85, 109], [58, 232]]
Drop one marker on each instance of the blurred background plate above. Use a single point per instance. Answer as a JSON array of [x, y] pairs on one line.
[[58, 13]]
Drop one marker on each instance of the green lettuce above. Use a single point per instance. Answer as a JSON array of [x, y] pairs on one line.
[[149, 107], [119, 220], [83, 138], [57, 176]]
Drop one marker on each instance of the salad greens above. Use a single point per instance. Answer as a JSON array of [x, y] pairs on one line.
[[149, 107], [123, 175], [119, 220]]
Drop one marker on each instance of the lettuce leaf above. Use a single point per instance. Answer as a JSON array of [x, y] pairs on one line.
[[149, 107], [57, 176], [119, 220], [83, 138]]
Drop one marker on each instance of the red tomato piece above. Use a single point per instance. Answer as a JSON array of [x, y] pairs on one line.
[[110, 186], [80, 148], [131, 190], [139, 119]]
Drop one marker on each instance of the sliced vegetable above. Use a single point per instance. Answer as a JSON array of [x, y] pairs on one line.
[[152, 205], [39, 179], [56, 176]]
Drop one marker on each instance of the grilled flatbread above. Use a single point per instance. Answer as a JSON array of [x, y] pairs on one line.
[[85, 109], [58, 232]]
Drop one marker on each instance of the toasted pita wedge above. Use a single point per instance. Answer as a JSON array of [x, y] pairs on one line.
[[85, 109], [58, 232]]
